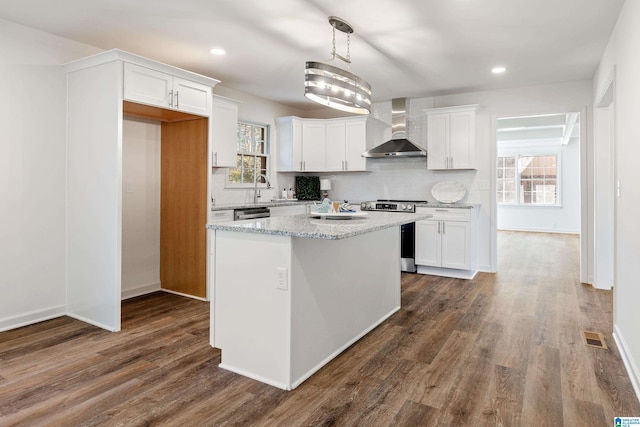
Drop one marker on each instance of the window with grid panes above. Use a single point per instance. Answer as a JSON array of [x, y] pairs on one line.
[[252, 157], [528, 180]]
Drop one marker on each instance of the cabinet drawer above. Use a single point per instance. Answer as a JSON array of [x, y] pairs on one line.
[[446, 214], [219, 216]]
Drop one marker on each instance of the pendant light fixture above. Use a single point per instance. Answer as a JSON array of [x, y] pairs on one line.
[[336, 87]]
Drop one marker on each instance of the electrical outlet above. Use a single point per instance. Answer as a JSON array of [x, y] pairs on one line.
[[283, 280], [484, 184]]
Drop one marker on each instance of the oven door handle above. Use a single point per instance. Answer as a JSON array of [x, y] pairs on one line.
[[252, 216]]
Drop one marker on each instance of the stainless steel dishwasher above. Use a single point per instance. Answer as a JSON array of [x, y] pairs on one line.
[[251, 213]]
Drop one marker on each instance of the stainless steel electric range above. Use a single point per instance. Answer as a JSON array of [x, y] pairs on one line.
[[408, 231]]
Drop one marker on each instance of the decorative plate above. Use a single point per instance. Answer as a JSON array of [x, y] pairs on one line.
[[448, 192]]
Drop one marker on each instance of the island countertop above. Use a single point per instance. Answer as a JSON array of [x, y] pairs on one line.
[[307, 226]]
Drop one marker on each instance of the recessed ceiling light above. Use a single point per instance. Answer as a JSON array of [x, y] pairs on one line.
[[218, 51], [498, 70]]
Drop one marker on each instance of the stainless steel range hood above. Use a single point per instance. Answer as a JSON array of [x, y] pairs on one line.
[[398, 145]]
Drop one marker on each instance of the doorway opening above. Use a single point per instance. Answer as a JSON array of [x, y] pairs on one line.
[[538, 178]]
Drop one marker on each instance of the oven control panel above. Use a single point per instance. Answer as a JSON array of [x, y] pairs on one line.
[[388, 206]]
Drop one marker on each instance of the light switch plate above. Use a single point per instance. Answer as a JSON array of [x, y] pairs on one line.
[[283, 279], [484, 184]]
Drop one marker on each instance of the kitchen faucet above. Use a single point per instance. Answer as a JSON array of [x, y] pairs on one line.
[[256, 192]]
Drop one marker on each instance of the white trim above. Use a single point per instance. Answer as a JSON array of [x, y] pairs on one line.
[[486, 268], [184, 295], [117, 54], [91, 322], [632, 368], [447, 272], [541, 230], [253, 376], [30, 318], [455, 109], [140, 290]]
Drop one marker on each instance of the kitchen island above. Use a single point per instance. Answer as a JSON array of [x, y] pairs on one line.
[[291, 293]]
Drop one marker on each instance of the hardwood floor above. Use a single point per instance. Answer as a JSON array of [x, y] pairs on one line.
[[503, 349]]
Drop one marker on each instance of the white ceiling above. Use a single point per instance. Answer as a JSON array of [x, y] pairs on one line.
[[404, 48]]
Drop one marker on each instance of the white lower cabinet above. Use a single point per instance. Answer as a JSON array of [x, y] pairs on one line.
[[214, 216], [445, 244]]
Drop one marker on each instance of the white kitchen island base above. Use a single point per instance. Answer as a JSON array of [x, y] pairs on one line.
[[285, 306]]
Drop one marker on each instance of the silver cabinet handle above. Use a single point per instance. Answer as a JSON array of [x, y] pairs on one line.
[[304, 165], [171, 98], [443, 229], [442, 210], [438, 227], [346, 166], [216, 158], [177, 99]]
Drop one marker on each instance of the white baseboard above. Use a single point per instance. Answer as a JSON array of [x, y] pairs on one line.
[[540, 230], [184, 295], [486, 268], [629, 363], [30, 318], [140, 290], [91, 322]]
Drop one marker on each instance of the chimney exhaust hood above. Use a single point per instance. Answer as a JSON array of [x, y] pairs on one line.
[[398, 145]]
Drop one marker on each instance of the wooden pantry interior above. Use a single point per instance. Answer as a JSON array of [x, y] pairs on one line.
[[165, 164]]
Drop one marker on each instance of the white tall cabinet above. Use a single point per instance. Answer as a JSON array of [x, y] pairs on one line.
[[451, 140], [315, 145], [95, 109]]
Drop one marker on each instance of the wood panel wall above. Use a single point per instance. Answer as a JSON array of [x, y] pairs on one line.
[[183, 204]]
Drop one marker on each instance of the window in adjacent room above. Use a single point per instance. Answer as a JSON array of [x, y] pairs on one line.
[[253, 155], [528, 180]]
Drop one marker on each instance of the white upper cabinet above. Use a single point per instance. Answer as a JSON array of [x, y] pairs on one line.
[[336, 141], [355, 144], [314, 145], [314, 149], [451, 137], [224, 132], [147, 86]]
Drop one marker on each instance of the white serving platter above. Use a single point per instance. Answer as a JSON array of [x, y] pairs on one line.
[[339, 215], [448, 192]]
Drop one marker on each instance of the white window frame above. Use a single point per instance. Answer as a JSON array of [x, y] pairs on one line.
[[266, 154], [518, 155]]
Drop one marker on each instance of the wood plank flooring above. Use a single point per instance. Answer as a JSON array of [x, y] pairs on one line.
[[501, 350]]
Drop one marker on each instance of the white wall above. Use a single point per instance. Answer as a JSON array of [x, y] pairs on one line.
[[256, 110], [32, 173], [409, 178], [140, 207], [623, 54], [562, 219]]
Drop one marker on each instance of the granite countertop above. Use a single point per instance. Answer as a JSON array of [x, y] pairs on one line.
[[269, 204], [311, 227], [447, 205]]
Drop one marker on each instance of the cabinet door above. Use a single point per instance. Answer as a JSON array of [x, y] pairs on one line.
[[462, 131], [314, 147], [296, 146], [147, 86], [191, 97], [356, 144], [428, 243], [335, 146], [224, 132], [437, 141], [456, 245]]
